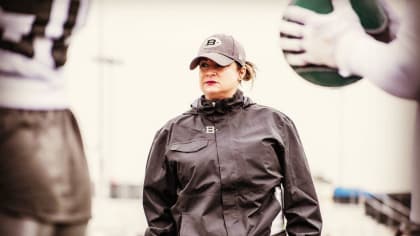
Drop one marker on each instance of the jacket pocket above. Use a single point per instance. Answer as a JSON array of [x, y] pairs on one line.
[[198, 225], [191, 226], [191, 161], [190, 146]]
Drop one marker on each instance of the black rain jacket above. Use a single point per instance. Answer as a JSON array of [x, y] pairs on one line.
[[212, 171]]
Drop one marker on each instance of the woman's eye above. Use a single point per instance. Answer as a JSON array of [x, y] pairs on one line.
[[204, 65]]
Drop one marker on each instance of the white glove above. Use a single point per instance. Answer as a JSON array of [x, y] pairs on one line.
[[394, 21], [317, 36]]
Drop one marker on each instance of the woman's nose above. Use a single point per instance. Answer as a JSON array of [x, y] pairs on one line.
[[210, 72]]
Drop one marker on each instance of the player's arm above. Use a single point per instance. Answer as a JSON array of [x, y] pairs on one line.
[[338, 40]]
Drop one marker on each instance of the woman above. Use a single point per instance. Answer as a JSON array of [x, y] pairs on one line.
[[214, 169]]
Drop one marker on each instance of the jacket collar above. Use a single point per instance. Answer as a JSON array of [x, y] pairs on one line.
[[220, 107]]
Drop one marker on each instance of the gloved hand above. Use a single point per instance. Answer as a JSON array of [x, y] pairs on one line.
[[394, 21], [325, 39]]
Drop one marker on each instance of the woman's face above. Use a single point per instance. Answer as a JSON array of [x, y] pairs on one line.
[[218, 82]]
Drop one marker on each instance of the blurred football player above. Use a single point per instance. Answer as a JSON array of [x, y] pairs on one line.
[[44, 179], [338, 40]]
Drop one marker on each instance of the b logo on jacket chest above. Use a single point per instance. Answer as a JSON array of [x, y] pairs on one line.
[[210, 129]]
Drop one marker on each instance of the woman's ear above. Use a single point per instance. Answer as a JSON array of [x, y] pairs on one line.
[[242, 72]]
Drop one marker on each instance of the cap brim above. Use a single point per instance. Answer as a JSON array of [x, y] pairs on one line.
[[220, 59]]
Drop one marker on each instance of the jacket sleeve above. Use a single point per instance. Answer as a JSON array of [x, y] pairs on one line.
[[159, 189], [301, 207]]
